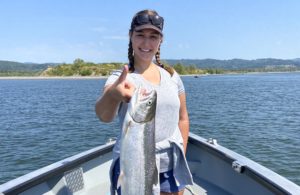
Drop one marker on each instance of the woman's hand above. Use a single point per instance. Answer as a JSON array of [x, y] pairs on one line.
[[122, 89]]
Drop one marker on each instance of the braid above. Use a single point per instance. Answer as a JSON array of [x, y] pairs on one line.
[[130, 57], [167, 68], [157, 58]]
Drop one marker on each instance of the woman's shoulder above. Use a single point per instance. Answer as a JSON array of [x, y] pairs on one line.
[[173, 79], [164, 72], [173, 76]]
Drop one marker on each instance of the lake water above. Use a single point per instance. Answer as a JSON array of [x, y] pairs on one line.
[[256, 115]]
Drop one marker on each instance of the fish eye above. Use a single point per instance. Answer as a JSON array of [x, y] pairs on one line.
[[149, 103]]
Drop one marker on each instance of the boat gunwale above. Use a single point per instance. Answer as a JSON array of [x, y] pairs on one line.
[[259, 173], [268, 178], [41, 175]]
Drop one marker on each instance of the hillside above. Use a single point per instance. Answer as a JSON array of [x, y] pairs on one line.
[[238, 64], [182, 66], [9, 68], [17, 66], [82, 68]]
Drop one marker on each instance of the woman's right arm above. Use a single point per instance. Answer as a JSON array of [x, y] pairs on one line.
[[108, 104]]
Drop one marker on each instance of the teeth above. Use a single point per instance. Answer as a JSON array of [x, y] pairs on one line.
[[145, 50]]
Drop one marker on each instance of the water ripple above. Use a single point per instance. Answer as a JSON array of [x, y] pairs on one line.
[[43, 121]]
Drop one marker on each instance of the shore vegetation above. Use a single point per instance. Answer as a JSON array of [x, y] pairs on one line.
[[81, 68]]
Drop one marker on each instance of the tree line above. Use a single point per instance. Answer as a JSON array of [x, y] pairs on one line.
[[81, 68], [208, 66]]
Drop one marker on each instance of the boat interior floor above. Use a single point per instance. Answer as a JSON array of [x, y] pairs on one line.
[[203, 187]]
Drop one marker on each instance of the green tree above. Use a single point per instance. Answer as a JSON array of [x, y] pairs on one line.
[[85, 72], [78, 61], [179, 68]]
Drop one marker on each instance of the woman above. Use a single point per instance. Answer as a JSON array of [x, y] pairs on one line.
[[171, 120]]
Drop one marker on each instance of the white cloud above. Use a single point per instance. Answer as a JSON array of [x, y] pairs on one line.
[[183, 46]]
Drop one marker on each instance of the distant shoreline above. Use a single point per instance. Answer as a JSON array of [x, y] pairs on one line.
[[49, 78], [105, 77]]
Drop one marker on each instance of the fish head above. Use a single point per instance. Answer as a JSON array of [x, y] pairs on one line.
[[144, 105]]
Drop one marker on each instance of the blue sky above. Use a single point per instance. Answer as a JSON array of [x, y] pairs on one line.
[[97, 30]]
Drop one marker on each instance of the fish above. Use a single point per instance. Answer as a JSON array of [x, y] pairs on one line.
[[138, 171]]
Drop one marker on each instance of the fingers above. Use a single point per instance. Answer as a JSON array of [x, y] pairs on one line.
[[129, 85], [123, 89], [123, 75], [129, 90]]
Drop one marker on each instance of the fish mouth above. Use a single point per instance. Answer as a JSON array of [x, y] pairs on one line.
[[144, 95], [145, 106]]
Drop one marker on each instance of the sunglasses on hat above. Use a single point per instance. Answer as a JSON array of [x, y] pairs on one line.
[[141, 19]]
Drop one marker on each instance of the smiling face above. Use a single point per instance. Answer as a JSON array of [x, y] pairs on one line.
[[145, 44]]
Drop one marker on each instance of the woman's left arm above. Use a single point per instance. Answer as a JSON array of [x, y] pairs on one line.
[[184, 124]]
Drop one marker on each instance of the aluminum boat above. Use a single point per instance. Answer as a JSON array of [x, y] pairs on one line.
[[216, 171]]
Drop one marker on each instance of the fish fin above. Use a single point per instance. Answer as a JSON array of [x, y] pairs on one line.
[[155, 176], [120, 179]]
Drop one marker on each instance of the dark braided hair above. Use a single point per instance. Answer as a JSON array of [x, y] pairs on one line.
[[130, 57], [157, 55], [158, 62], [157, 58]]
